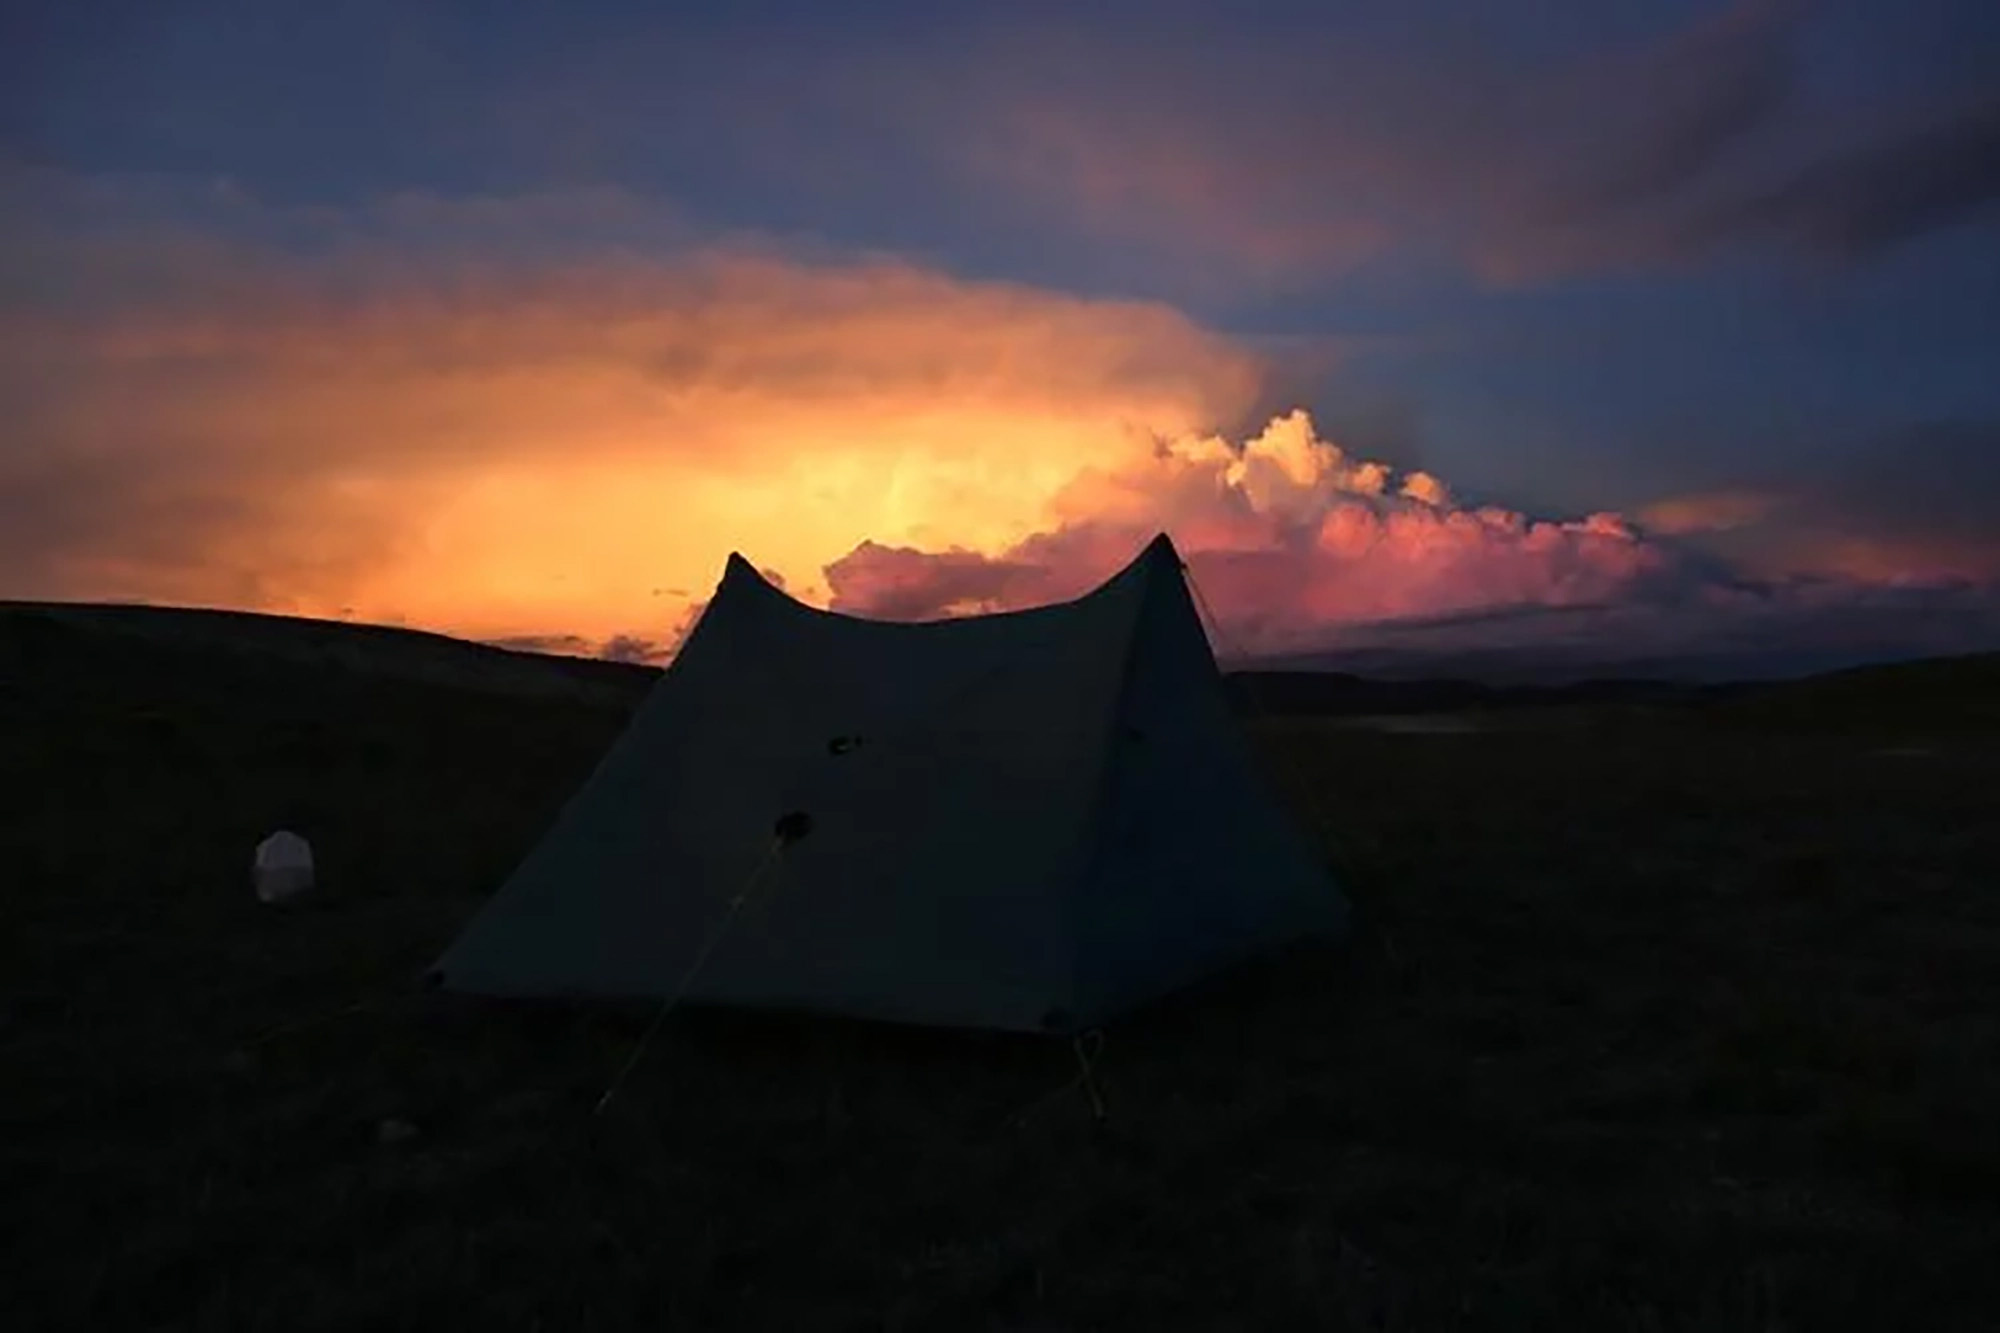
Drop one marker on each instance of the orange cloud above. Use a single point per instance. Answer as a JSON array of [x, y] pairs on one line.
[[1719, 511], [1914, 506], [1289, 537], [499, 447]]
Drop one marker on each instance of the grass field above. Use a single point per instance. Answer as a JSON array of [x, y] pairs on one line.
[[1683, 1018]]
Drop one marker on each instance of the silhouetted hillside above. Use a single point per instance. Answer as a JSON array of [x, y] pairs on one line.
[[1333, 693], [99, 637], [87, 641], [1947, 693]]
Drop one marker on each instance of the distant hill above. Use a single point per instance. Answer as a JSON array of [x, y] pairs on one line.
[[1959, 693], [28, 629], [71, 639], [1955, 694], [1336, 693]]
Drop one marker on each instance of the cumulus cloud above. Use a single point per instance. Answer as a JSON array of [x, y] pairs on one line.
[[1299, 550], [1289, 538]]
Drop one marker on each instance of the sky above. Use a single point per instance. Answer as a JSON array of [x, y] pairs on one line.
[[1662, 326]]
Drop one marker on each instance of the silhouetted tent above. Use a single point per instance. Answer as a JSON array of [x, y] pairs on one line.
[[1027, 821]]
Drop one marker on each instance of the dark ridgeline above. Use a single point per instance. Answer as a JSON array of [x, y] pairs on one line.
[[1335, 693]]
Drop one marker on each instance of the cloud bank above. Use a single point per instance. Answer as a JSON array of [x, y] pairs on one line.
[[1287, 536], [1299, 551], [505, 418]]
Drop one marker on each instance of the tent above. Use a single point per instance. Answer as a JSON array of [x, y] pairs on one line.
[[1028, 821]]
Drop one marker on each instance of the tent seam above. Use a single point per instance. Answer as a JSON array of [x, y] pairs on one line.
[[1112, 755]]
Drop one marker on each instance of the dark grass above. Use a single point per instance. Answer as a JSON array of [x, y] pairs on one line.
[[1656, 1020]]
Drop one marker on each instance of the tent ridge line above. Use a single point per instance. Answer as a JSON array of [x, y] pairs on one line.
[[743, 570]]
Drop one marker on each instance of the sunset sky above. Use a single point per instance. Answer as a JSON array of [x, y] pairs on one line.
[[1420, 326]]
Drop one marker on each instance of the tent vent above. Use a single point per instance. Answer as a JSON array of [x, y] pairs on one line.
[[792, 826]]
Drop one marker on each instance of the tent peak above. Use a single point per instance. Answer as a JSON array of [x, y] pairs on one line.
[[739, 569]]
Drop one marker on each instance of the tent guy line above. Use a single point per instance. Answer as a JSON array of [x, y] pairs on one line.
[[773, 859]]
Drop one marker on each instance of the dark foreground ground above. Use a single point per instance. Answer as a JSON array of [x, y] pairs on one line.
[[1684, 1018]]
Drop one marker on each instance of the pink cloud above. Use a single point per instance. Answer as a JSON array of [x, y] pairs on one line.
[[1300, 550], [1287, 537]]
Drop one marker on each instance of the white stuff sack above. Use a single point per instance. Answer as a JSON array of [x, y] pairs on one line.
[[283, 867]]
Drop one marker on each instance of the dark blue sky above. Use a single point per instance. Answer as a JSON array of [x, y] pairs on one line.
[[1567, 255], [1743, 232]]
